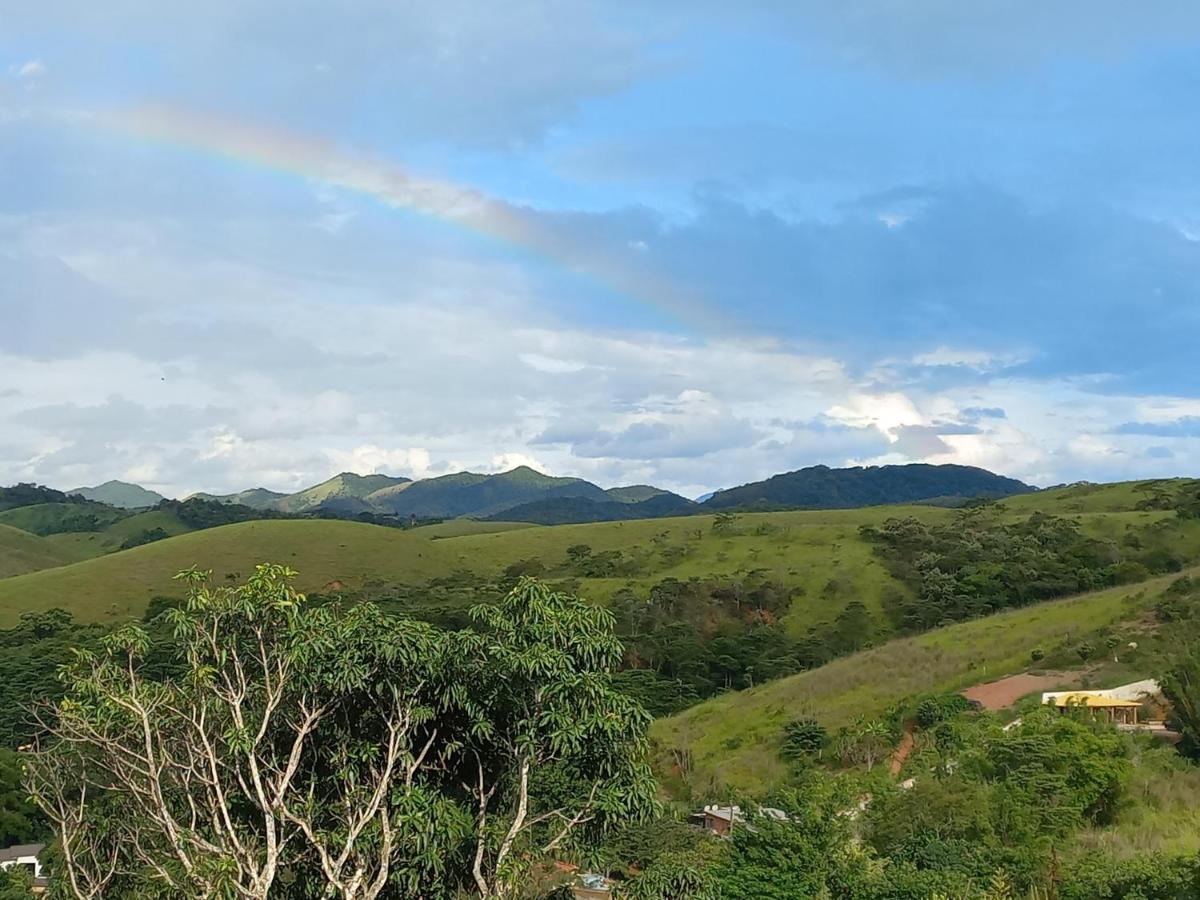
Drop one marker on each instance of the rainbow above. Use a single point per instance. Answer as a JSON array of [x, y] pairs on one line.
[[322, 162]]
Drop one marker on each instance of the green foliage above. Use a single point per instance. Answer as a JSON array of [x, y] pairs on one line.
[[20, 821], [149, 536], [501, 744], [16, 884], [820, 487], [1104, 877], [198, 513], [30, 656], [803, 738], [977, 564], [28, 494], [940, 707], [809, 855], [1181, 685]]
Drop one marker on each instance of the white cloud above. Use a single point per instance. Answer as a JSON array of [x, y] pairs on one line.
[[210, 374], [31, 70]]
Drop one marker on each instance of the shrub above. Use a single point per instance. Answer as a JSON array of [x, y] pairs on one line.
[[939, 708], [804, 737]]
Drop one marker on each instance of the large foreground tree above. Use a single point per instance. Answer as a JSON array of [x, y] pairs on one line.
[[315, 751]]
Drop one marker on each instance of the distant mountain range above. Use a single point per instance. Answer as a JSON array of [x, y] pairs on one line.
[[525, 495]]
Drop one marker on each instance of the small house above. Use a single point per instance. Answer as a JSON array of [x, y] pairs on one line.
[[25, 856], [1117, 711]]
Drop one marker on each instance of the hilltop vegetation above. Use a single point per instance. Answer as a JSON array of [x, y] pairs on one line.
[[820, 487]]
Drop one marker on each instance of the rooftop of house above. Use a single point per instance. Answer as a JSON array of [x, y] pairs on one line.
[[1093, 701], [20, 851]]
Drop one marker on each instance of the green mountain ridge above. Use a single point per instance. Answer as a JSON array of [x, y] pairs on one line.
[[471, 494], [346, 490], [255, 498], [820, 487], [120, 494]]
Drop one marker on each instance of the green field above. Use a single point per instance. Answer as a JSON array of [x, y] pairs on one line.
[[817, 554], [733, 739], [121, 584], [22, 552], [45, 517]]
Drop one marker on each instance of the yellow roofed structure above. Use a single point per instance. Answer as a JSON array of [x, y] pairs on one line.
[[1094, 701], [1122, 712]]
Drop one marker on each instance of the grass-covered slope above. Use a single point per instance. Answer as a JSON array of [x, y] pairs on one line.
[[732, 740], [22, 552], [818, 553], [57, 518], [121, 584]]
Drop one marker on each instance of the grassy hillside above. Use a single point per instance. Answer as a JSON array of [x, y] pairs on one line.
[[733, 739], [53, 518], [1095, 498], [121, 584], [461, 527], [819, 553], [22, 552]]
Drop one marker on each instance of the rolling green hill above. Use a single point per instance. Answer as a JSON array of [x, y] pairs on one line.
[[22, 552], [732, 740], [60, 518], [578, 510], [121, 584], [819, 555], [820, 487], [120, 494]]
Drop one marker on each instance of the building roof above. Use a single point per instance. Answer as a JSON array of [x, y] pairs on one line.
[[1093, 701], [19, 851]]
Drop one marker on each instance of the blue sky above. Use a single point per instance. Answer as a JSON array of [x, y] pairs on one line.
[[695, 244]]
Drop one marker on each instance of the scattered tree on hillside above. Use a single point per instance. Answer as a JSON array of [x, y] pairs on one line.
[[1181, 685]]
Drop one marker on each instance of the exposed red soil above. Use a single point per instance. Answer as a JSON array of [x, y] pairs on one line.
[[900, 754], [1007, 691]]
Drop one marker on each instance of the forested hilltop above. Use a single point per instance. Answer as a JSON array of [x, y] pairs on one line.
[[784, 657]]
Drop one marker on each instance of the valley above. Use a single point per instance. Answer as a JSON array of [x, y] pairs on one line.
[[736, 624]]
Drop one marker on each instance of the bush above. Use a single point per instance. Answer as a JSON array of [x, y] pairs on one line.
[[1037, 654], [939, 708], [803, 737]]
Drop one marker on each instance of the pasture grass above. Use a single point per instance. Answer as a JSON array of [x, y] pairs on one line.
[[731, 741]]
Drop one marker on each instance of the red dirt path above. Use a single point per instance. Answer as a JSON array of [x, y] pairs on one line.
[[1007, 691], [900, 754]]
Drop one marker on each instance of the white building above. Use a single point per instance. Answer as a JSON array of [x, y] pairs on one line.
[[23, 855]]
